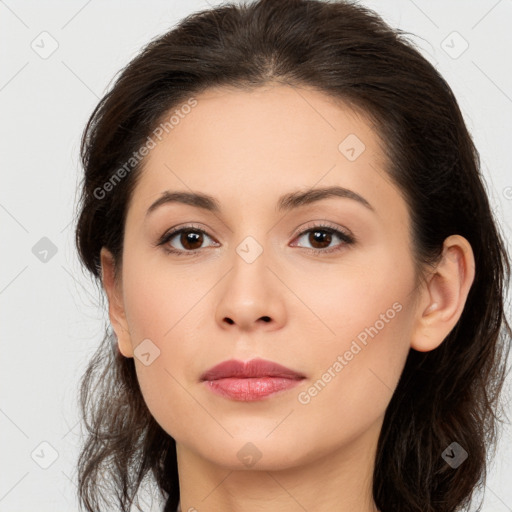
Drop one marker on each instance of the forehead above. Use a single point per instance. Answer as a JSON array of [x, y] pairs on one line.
[[276, 121], [246, 145]]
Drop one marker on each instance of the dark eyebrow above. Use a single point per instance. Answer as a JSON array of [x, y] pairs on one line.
[[300, 198], [286, 202]]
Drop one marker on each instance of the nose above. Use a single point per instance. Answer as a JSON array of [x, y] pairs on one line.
[[251, 297]]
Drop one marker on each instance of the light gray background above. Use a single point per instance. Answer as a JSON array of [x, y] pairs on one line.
[[51, 321]]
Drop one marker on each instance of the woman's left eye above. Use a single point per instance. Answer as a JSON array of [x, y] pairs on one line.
[[192, 238], [323, 235]]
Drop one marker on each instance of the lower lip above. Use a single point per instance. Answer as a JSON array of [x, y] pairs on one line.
[[250, 389]]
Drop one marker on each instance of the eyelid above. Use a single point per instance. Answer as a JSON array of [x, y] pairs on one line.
[[321, 224]]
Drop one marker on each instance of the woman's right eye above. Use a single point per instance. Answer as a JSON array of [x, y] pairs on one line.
[[190, 238]]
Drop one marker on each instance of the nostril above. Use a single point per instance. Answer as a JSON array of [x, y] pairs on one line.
[[266, 318]]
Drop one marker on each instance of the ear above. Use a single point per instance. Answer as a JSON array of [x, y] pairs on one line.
[[115, 302], [444, 296]]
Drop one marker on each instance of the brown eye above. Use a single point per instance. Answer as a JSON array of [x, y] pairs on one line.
[[191, 239], [184, 241], [320, 239]]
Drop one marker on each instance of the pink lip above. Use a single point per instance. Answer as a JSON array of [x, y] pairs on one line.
[[249, 381]]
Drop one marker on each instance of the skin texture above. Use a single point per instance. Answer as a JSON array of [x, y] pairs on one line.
[[247, 148]]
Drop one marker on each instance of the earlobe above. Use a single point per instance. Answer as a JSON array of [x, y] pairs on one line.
[[444, 295], [116, 311]]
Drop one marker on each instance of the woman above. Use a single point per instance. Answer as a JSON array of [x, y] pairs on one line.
[[304, 277]]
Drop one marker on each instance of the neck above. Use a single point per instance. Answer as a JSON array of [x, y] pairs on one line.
[[340, 480]]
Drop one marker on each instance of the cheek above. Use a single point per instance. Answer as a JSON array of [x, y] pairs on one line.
[[369, 316], [363, 299], [164, 383], [370, 344], [158, 298], [162, 320], [356, 374]]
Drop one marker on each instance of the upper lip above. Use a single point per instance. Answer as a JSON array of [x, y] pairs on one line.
[[253, 368]]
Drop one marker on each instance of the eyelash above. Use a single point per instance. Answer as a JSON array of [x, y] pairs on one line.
[[344, 237]]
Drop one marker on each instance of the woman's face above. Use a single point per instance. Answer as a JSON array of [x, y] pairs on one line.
[[267, 277]]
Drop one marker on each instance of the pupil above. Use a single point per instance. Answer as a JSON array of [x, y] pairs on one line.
[[321, 236], [191, 238]]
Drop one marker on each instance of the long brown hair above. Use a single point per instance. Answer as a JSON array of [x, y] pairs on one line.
[[348, 52]]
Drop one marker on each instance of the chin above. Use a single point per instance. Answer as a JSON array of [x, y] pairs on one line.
[[255, 452]]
